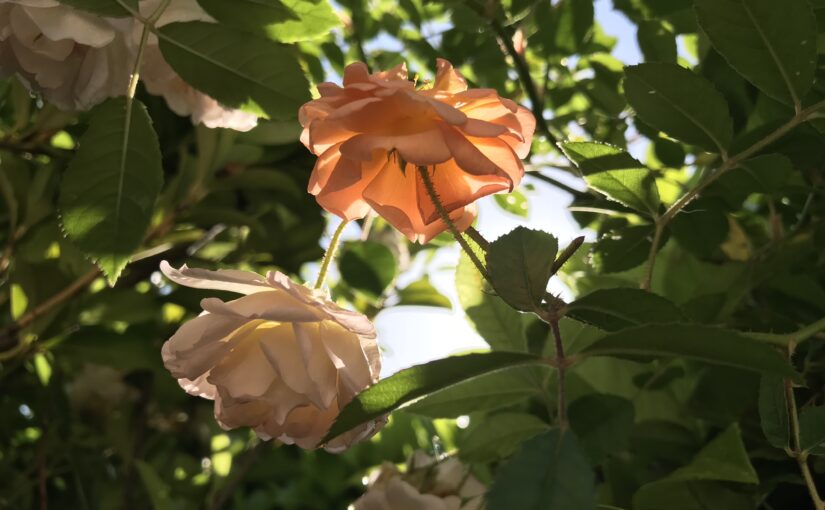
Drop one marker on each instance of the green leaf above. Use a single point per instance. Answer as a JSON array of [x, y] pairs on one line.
[[622, 249], [614, 173], [368, 266], [520, 266], [280, 20], [111, 184], [658, 44], [499, 435], [701, 226], [496, 321], [565, 26], [724, 459], [158, 491], [618, 308], [108, 8], [255, 73], [705, 343], [422, 293], [680, 103], [603, 424], [812, 428], [773, 411], [484, 393], [514, 203], [768, 174], [549, 472], [772, 45], [409, 384]]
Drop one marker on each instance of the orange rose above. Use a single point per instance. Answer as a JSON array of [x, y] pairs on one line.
[[372, 134]]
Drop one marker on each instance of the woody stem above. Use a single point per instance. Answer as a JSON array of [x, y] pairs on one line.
[[330, 254], [445, 217]]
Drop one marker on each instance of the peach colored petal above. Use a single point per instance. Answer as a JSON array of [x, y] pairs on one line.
[[242, 282], [447, 79], [424, 148], [355, 73]]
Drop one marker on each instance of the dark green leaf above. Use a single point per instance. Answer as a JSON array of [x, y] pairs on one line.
[[368, 266], [483, 393], [658, 44], [108, 8], [705, 343], [565, 26], [409, 384], [773, 411], [422, 293], [279, 20], [549, 472], [774, 49], [614, 173], [768, 174], [614, 309], [603, 424], [812, 427], [681, 103], [701, 226], [250, 79], [111, 184], [622, 249], [499, 435], [496, 321], [520, 266]]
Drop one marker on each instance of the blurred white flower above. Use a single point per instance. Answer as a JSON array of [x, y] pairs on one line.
[[75, 60], [426, 484]]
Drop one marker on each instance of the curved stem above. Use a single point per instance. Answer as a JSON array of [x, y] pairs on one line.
[[330, 254], [445, 217]]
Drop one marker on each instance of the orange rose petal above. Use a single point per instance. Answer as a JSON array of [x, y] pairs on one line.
[[447, 79], [355, 73], [425, 148]]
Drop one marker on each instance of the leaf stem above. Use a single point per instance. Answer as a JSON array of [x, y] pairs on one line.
[[727, 165], [445, 217], [330, 254], [479, 239]]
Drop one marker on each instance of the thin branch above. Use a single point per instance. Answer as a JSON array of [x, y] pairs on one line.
[[330, 254], [477, 238], [728, 165], [562, 368], [562, 186]]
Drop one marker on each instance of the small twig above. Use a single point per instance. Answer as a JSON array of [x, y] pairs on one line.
[[477, 238], [562, 186], [445, 217], [562, 368], [728, 165], [565, 255]]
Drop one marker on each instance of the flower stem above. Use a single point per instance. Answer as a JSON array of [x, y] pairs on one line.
[[330, 254], [445, 217]]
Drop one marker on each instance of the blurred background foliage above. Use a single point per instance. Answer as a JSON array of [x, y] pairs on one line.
[[89, 418]]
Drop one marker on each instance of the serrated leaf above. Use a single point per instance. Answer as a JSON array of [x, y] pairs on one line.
[[496, 321], [484, 393], [773, 411], [549, 472], [422, 293], [255, 73], [280, 20], [705, 343], [680, 103], [111, 184], [615, 173], [499, 435], [812, 428], [772, 45], [409, 384], [108, 8], [368, 266], [520, 266], [618, 308], [603, 424]]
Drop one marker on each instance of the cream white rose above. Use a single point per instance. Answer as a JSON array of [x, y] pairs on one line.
[[283, 359], [75, 60], [426, 484]]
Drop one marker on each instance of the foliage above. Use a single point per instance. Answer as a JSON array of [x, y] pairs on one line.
[[683, 371]]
